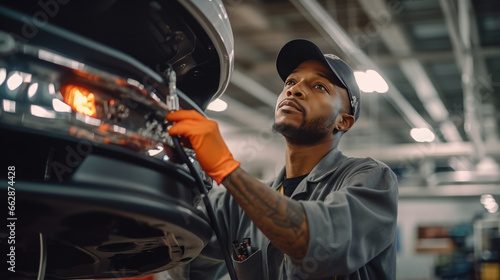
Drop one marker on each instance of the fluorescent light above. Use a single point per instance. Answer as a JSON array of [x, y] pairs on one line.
[[217, 105], [493, 208], [371, 81], [489, 203], [486, 198], [378, 83], [422, 134], [362, 81]]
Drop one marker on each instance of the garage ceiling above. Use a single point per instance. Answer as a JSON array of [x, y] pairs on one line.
[[441, 60]]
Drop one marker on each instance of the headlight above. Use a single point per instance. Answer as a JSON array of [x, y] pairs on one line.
[[48, 92], [80, 99]]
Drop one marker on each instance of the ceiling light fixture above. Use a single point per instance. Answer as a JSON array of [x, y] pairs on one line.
[[422, 134], [371, 81], [489, 203]]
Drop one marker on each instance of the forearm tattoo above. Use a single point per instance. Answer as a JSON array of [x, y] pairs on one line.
[[281, 219]]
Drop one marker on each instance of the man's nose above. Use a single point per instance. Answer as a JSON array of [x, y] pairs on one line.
[[295, 91]]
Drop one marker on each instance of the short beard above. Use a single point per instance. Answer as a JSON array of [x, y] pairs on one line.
[[304, 134]]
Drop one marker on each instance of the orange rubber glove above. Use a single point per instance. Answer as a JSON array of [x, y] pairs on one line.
[[211, 151]]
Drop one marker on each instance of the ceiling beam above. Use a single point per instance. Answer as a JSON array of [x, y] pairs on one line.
[[423, 57], [451, 20], [319, 18], [455, 25], [483, 82], [250, 119], [450, 191], [254, 88], [463, 35], [471, 123], [393, 37], [410, 153]]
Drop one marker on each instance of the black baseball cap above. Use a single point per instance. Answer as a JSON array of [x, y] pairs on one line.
[[297, 51]]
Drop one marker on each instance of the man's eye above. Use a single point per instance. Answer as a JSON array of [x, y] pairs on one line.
[[289, 83], [321, 87]]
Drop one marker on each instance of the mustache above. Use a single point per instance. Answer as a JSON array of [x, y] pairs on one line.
[[291, 100]]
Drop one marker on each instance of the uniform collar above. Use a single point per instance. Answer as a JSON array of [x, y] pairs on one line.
[[327, 165]]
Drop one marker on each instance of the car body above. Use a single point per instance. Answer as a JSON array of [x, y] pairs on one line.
[[96, 187]]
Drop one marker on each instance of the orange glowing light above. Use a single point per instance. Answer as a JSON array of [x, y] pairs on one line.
[[80, 99]]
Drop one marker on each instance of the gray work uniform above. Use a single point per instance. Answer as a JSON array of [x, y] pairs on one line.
[[351, 208]]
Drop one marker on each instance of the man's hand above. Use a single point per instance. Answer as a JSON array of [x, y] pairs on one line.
[[211, 151]]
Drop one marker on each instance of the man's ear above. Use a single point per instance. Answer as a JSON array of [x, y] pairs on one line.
[[346, 122]]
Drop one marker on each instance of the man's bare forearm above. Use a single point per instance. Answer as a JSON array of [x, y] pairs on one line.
[[281, 219]]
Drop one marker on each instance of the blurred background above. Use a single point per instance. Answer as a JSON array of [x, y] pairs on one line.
[[430, 75]]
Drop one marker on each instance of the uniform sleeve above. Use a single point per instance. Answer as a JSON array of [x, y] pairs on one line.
[[352, 225]]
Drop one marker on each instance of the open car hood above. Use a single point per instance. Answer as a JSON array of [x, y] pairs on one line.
[[194, 37], [99, 188]]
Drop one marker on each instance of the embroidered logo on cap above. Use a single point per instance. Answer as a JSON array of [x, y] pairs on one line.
[[354, 104], [332, 56]]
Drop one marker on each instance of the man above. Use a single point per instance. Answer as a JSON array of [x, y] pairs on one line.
[[325, 216]]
